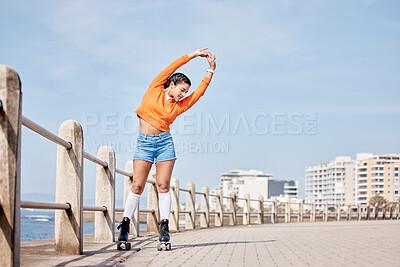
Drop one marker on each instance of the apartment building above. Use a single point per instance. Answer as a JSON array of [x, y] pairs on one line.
[[331, 182], [242, 182], [377, 175], [255, 183]]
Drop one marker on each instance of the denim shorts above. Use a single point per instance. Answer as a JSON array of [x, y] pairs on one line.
[[154, 148]]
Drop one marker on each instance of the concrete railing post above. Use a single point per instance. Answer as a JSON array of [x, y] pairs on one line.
[[10, 165], [368, 216], [326, 212], [69, 188], [391, 211], [174, 220], [134, 226], [221, 204], [313, 216], [338, 212], [358, 212], [232, 208], [190, 218], [152, 204], [383, 211], [104, 222], [246, 210], [301, 210], [398, 211], [376, 211], [349, 213], [274, 214], [261, 209], [219, 218], [205, 207], [286, 213]]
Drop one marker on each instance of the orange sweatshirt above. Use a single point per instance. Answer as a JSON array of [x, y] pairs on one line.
[[160, 114]]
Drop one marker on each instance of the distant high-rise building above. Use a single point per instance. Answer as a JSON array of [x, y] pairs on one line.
[[283, 188], [331, 182], [377, 175]]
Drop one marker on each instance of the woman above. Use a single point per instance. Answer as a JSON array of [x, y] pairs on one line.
[[162, 103]]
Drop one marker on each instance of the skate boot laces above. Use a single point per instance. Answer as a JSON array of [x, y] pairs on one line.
[[124, 224], [164, 229]]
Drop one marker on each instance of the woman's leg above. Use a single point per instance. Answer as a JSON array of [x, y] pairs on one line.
[[164, 172], [141, 169]]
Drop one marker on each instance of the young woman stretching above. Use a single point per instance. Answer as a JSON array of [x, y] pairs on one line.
[[162, 103]]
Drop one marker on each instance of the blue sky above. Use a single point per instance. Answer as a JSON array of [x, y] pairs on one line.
[[297, 82]]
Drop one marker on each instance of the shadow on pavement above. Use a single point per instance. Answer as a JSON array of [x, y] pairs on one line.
[[218, 243]]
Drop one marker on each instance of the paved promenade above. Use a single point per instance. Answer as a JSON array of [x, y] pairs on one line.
[[365, 243]]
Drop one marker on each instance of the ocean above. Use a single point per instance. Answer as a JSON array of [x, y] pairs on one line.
[[39, 224]]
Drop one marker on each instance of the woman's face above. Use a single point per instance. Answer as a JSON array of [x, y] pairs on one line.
[[179, 90]]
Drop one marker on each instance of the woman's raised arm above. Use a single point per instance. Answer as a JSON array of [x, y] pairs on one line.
[[189, 101], [168, 71]]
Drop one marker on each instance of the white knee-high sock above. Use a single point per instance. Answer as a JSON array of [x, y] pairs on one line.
[[164, 203], [131, 204]]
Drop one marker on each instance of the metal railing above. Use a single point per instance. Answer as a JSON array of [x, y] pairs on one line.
[[67, 145], [45, 205], [95, 160], [52, 137], [130, 175], [45, 133]]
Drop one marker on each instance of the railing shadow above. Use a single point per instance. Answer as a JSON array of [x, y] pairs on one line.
[[109, 248], [176, 247]]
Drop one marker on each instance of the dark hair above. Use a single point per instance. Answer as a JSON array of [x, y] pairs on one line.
[[177, 78]]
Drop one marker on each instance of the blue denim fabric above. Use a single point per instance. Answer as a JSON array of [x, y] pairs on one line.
[[155, 148]]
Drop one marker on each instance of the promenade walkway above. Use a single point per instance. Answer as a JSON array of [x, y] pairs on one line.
[[354, 243]]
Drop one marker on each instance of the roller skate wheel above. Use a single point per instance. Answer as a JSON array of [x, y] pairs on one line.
[[119, 246], [128, 246], [159, 248], [168, 247]]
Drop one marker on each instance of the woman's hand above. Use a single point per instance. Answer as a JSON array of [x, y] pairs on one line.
[[202, 52], [211, 61], [199, 53], [213, 65]]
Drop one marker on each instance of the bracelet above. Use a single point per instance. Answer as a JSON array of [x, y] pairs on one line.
[[210, 70]]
